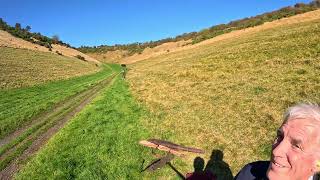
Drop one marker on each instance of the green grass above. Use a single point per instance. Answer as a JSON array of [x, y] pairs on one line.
[[25, 68], [20, 106], [99, 143], [230, 95], [23, 141]]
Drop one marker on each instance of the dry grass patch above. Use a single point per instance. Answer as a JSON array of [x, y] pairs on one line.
[[185, 45], [7, 40], [109, 56], [230, 95], [22, 67]]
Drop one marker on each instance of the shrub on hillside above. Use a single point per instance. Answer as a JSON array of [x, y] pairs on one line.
[[24, 33], [47, 45], [80, 57], [59, 53]]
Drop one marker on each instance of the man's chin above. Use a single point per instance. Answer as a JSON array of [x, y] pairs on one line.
[[274, 175]]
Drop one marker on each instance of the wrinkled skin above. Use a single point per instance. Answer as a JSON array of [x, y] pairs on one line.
[[295, 151]]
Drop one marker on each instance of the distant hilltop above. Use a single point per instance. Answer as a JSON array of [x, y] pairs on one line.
[[120, 51], [19, 37]]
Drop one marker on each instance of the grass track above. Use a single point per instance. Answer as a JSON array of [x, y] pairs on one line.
[[32, 133], [100, 143], [18, 107], [34, 137]]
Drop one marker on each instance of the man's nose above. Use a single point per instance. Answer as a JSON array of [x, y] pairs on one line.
[[280, 149]]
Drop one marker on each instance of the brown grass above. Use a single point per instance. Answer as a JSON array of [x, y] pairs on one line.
[[229, 94], [180, 46], [109, 56], [23, 67], [7, 40]]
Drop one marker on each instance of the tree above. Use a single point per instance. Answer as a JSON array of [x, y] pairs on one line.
[[55, 39], [28, 28], [315, 3], [18, 26], [299, 5]]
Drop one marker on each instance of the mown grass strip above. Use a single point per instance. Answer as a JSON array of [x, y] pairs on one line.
[[100, 143], [30, 139], [38, 125], [25, 140], [41, 127], [20, 106]]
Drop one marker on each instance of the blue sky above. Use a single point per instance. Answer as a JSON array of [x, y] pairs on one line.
[[96, 22]]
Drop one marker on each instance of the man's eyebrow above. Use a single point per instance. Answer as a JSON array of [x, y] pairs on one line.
[[296, 141]]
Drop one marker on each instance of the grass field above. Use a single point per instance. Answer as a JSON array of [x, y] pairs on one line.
[[230, 95], [227, 96], [22, 67], [20, 106], [99, 143]]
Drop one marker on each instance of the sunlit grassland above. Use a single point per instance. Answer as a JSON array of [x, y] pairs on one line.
[[20, 106], [22, 67], [99, 143], [230, 95]]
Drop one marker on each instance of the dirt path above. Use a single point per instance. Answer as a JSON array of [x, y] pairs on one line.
[[46, 126]]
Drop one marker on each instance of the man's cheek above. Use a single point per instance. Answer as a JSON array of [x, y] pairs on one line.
[[293, 162]]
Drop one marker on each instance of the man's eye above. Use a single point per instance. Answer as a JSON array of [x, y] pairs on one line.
[[296, 146]]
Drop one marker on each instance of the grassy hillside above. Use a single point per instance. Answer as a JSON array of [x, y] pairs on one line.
[[170, 47], [207, 33], [227, 96], [109, 56], [230, 95], [21, 67]]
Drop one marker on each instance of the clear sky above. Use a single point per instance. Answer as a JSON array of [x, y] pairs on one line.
[[96, 22]]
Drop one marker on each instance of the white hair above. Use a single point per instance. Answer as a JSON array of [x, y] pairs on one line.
[[309, 111]]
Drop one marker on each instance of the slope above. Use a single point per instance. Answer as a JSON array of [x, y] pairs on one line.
[[228, 93], [23, 67], [185, 45], [225, 97], [7, 40]]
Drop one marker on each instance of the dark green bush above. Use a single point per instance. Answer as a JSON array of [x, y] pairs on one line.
[[24, 33], [80, 57]]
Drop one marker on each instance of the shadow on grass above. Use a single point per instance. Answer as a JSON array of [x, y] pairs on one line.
[[216, 168]]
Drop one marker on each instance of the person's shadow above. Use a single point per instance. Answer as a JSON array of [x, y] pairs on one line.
[[218, 167], [199, 173]]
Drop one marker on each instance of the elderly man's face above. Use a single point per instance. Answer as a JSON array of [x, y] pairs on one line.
[[294, 150]]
